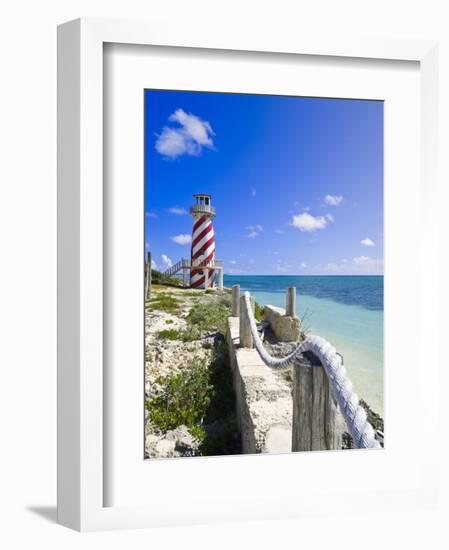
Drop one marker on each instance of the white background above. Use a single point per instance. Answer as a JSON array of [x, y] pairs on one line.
[[130, 480], [28, 272]]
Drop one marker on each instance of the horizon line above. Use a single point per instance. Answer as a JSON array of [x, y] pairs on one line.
[[305, 274]]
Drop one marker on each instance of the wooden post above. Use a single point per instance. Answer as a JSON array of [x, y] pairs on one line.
[[246, 339], [184, 273], [220, 280], [235, 300], [290, 302], [316, 417], [148, 277]]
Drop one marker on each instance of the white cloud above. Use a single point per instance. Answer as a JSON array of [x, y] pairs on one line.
[[279, 231], [282, 267], [151, 215], [331, 267], [359, 265], [333, 200], [303, 265], [253, 192], [307, 222], [153, 264], [182, 239], [254, 231], [178, 211], [367, 242], [188, 138], [166, 261], [366, 261], [233, 262]]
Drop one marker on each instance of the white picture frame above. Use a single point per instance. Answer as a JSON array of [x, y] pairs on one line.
[[81, 490]]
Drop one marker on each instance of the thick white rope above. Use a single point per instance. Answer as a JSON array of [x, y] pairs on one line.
[[354, 414]]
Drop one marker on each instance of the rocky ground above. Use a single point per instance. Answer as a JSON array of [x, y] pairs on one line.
[[167, 326], [164, 356]]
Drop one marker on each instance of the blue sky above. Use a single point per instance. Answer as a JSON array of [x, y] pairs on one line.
[[297, 183]]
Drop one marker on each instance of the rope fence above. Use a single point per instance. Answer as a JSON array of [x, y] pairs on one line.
[[354, 414]]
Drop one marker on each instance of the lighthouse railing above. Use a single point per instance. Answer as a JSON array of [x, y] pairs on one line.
[[211, 264], [202, 209]]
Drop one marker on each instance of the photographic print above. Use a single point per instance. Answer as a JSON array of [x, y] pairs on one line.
[[263, 274]]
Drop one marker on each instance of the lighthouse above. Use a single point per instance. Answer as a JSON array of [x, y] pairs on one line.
[[202, 259]]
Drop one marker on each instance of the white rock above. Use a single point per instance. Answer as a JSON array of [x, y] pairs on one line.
[[165, 448]]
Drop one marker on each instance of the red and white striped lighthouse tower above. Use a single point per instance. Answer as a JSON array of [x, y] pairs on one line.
[[203, 243]]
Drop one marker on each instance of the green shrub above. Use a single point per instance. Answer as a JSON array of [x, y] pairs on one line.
[[225, 300], [198, 397], [170, 334], [199, 433], [258, 312], [169, 321], [209, 316], [185, 398], [165, 302], [190, 335]]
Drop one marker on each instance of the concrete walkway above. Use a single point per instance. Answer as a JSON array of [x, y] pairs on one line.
[[264, 400]]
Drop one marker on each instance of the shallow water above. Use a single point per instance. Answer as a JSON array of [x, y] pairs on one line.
[[346, 310]]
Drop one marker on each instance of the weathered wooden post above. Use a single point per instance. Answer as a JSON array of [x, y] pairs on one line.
[[235, 300], [184, 273], [148, 277], [220, 279], [246, 339], [317, 421], [290, 302]]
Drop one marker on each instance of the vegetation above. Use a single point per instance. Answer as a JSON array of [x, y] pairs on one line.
[[258, 312], [204, 317], [200, 397], [209, 316], [191, 294], [304, 323], [159, 278], [185, 398], [183, 335], [165, 302], [170, 334]]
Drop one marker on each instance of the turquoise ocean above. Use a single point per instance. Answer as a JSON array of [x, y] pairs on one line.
[[346, 310]]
